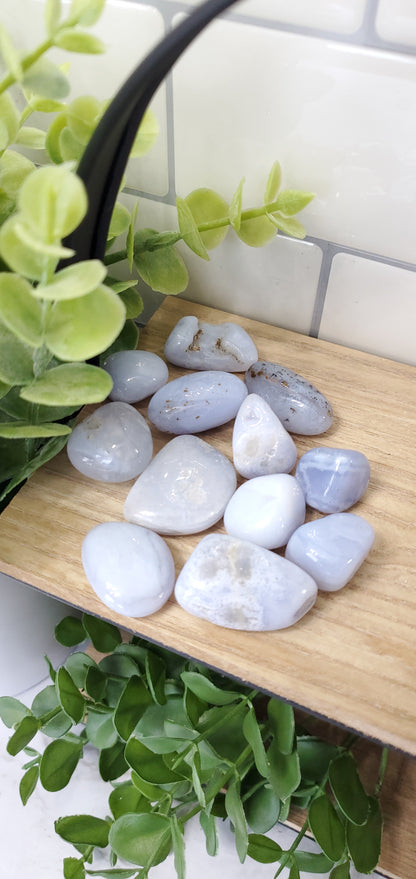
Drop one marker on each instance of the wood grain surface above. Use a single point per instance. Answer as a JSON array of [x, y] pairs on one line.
[[352, 658]]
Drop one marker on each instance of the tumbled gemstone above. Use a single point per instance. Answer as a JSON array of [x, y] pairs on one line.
[[130, 568], [196, 344], [331, 549], [266, 510], [136, 374], [184, 490], [332, 480], [196, 402], [112, 444], [297, 403], [261, 445], [239, 585]]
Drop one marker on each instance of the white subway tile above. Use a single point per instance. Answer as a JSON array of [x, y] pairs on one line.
[[396, 21], [129, 31], [340, 16], [371, 306], [336, 116]]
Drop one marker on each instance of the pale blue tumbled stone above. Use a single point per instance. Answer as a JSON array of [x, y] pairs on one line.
[[136, 374], [332, 480], [331, 549], [297, 403], [112, 444], [261, 445], [196, 402], [184, 490], [266, 510], [239, 585], [130, 568], [196, 344]]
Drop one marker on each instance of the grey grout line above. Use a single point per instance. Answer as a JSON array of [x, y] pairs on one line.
[[321, 289]]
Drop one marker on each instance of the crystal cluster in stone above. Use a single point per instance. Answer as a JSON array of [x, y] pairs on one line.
[[195, 344], [112, 444], [130, 568], [239, 585], [266, 510], [331, 549], [332, 480], [197, 402], [301, 408], [136, 375], [184, 490], [260, 443]]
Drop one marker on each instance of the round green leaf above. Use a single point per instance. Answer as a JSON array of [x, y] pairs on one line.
[[82, 116], [326, 827], [206, 690], [46, 80], [72, 384], [19, 310], [284, 771], [53, 137], [282, 723], [126, 798], [141, 839], [53, 201], [289, 225], [81, 328], [83, 830], [189, 229], [146, 135], [341, 871], [14, 168], [86, 12], [71, 700], [126, 340], [257, 232], [28, 783], [70, 148], [12, 711], [70, 632], [364, 841], [21, 410], [112, 762], [78, 665], [104, 636], [163, 269], [120, 220], [132, 302], [148, 766], [72, 282], [347, 788], [18, 255], [262, 810], [234, 211], [273, 183], [207, 207], [291, 201], [16, 363], [100, 729], [45, 701], [21, 429], [58, 764], [132, 703], [23, 734], [263, 849], [73, 40], [32, 138]]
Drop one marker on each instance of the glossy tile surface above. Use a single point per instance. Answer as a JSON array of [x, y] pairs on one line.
[[341, 17], [396, 21]]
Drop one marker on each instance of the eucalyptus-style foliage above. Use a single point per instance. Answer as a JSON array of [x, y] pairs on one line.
[[176, 741], [55, 318]]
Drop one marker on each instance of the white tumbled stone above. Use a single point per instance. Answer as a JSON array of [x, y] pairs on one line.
[[331, 549], [184, 490], [196, 402], [136, 374], [332, 480], [261, 445], [113, 444], [196, 344], [266, 510], [130, 568], [297, 403], [239, 585]]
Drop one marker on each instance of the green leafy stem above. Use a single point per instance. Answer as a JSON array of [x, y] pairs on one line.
[[187, 742]]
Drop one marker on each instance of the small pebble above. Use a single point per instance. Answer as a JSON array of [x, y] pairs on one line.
[[261, 445], [239, 585], [332, 480], [184, 490], [136, 375], [113, 444], [130, 568], [266, 510], [195, 344], [331, 549], [197, 402], [301, 408]]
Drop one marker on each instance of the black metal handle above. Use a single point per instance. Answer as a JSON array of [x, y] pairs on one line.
[[104, 160]]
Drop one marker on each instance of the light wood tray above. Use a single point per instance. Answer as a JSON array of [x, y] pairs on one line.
[[352, 657]]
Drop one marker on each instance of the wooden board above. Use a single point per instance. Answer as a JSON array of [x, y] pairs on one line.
[[352, 658]]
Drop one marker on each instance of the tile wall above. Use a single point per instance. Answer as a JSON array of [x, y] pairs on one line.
[[329, 89]]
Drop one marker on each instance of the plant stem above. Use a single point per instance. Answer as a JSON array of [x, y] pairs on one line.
[[381, 771]]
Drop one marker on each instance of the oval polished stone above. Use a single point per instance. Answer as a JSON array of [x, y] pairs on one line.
[[297, 403], [332, 480], [196, 344], [136, 374], [266, 510], [239, 585], [197, 402], [112, 444], [184, 490], [331, 549], [261, 445], [130, 568]]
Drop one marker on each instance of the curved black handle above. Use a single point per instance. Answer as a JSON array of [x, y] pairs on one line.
[[104, 160]]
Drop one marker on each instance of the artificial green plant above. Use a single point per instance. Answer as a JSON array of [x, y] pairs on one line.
[[57, 314]]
